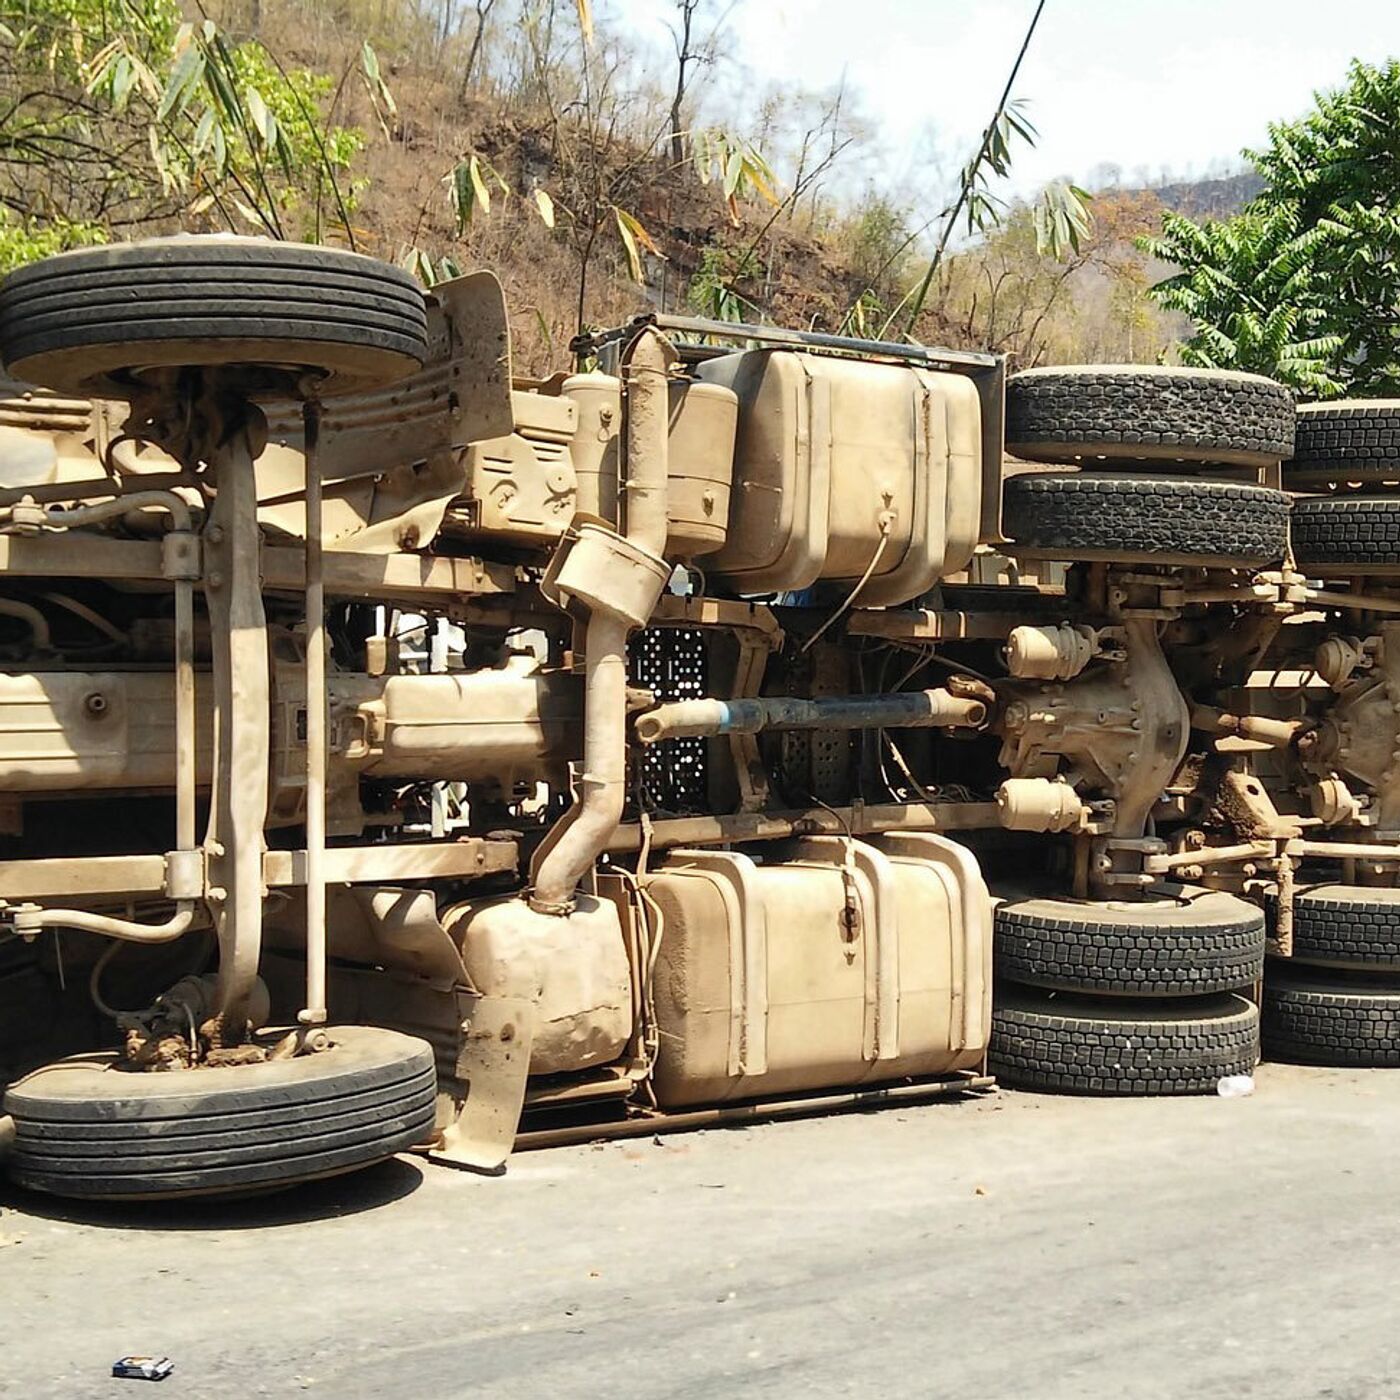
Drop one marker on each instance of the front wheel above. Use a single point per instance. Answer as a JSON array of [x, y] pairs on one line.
[[85, 1127]]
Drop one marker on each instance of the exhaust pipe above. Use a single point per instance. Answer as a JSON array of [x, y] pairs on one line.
[[616, 579]]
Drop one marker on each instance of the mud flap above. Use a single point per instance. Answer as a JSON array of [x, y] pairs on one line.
[[493, 1065]]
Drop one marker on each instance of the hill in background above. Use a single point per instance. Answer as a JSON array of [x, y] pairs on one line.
[[594, 177]]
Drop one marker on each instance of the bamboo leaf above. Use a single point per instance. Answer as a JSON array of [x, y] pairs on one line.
[[585, 20], [760, 176], [460, 185], [203, 132], [543, 326], [478, 183], [641, 235], [370, 59], [386, 110], [101, 62], [703, 156], [627, 227], [123, 81], [184, 77], [249, 213], [264, 123], [733, 173]]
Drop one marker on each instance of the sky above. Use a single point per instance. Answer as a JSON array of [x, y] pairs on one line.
[[1147, 85]]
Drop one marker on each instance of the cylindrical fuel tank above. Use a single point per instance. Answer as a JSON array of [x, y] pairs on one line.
[[77, 731]]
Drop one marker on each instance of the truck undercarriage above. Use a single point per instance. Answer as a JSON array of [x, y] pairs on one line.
[[398, 754]]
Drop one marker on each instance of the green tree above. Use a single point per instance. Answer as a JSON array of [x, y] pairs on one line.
[[118, 118], [1304, 284]]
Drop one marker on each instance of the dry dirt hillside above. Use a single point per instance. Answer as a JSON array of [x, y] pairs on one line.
[[506, 99]]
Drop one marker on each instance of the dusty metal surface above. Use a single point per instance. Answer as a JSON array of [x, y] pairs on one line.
[[461, 670]]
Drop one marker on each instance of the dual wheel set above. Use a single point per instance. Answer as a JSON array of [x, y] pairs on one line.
[[1159, 996], [1130, 998], [1154, 997], [1141, 439], [1337, 1000]]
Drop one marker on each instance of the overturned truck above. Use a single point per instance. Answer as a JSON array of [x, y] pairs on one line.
[[399, 754]]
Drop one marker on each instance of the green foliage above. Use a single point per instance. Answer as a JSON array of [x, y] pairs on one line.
[[736, 166], [23, 242], [864, 317], [1004, 292], [993, 159], [428, 272], [1304, 283], [712, 292], [469, 188], [878, 240], [1061, 217], [118, 113], [1255, 287], [634, 238], [235, 129]]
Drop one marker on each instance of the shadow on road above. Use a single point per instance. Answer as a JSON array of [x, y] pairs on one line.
[[327, 1199]]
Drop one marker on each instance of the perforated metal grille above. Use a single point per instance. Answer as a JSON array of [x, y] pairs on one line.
[[671, 662]]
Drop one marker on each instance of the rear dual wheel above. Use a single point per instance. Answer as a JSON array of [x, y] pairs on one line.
[[1200, 944], [1177, 521], [1347, 534], [1315, 1020], [1126, 998], [1115, 415], [1123, 424], [1346, 440], [1348, 443], [1336, 1001], [1078, 1045]]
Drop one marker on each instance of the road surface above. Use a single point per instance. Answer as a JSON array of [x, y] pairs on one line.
[[1016, 1246]]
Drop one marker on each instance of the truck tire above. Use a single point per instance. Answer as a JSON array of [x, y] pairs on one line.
[[1147, 413], [1348, 926], [1202, 943], [1347, 440], [1070, 1045], [1144, 519], [1347, 534], [1350, 1025], [84, 1128], [87, 322]]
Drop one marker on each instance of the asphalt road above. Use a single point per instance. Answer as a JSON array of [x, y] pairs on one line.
[[1012, 1246]]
